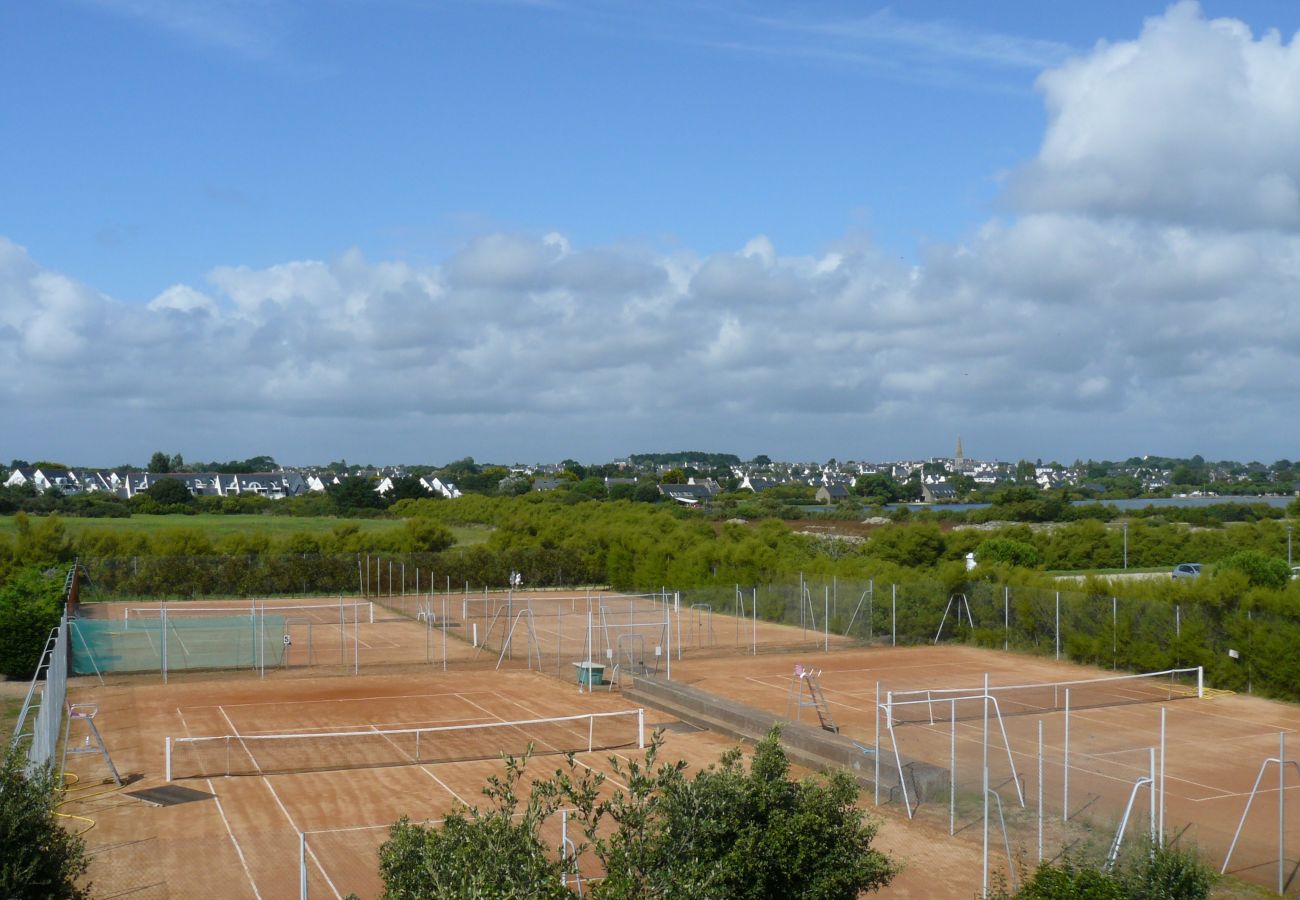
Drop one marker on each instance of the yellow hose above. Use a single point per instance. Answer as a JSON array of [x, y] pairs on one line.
[[69, 780]]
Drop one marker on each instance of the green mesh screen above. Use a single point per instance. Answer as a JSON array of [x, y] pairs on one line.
[[214, 642]]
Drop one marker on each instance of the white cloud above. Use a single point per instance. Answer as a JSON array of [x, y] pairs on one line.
[[1141, 299], [1196, 121]]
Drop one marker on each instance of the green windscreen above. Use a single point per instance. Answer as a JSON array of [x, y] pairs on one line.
[[210, 642]]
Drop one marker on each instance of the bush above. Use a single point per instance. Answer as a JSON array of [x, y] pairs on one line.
[[40, 858], [1165, 873], [29, 608], [1259, 568], [726, 832], [476, 853], [1007, 551]]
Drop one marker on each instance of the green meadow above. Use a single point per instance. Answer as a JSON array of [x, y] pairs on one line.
[[218, 526]]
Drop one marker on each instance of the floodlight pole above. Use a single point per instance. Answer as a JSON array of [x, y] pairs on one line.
[[1125, 527]]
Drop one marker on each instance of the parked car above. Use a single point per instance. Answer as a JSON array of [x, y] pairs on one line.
[[1295, 572], [1187, 570]]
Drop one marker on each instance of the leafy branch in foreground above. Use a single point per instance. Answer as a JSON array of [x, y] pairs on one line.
[[726, 832], [495, 852], [38, 857]]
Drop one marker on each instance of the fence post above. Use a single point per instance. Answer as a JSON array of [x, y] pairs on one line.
[[893, 615], [1058, 625], [1006, 617], [1065, 765], [302, 865]]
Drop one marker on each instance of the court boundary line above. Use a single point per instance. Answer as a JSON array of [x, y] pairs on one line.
[[280, 803], [239, 851]]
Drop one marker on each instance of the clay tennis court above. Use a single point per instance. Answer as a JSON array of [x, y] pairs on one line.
[[245, 828], [548, 631], [1213, 749]]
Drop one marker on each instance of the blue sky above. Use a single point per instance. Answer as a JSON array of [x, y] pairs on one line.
[[599, 174]]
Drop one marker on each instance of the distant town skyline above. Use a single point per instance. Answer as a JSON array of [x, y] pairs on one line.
[[531, 231]]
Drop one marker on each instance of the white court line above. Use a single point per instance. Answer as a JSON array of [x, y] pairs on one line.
[[270, 787], [1134, 769], [829, 702], [361, 728], [239, 851], [342, 700], [425, 770], [608, 777], [1262, 790]]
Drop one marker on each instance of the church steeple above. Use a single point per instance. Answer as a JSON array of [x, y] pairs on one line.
[[959, 456]]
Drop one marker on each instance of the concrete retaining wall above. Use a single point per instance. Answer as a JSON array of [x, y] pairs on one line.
[[805, 745]]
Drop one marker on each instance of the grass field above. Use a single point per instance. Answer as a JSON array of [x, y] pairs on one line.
[[219, 526]]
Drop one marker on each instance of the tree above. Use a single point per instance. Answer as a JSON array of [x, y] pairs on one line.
[[177, 463], [1261, 569], [408, 487], [762, 460], [421, 535], [355, 493], [577, 468], [1008, 551], [29, 607], [170, 492], [514, 485], [728, 832], [1150, 873], [878, 488], [496, 852], [646, 492], [41, 858], [160, 463]]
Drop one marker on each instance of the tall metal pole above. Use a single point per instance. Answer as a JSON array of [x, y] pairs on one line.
[[893, 615], [1058, 625], [1040, 790], [1125, 526], [877, 753], [952, 768], [985, 784], [1065, 766], [1151, 773], [1281, 811], [1160, 834], [1006, 616]]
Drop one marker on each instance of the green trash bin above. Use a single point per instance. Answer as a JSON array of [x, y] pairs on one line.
[[590, 674]]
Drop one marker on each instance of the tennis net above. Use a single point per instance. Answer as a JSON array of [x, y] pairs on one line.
[[325, 613], [267, 754], [928, 705]]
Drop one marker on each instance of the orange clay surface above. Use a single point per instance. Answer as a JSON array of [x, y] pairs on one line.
[[243, 841]]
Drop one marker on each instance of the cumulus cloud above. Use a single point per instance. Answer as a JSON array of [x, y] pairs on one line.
[[1142, 289], [1196, 121]]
